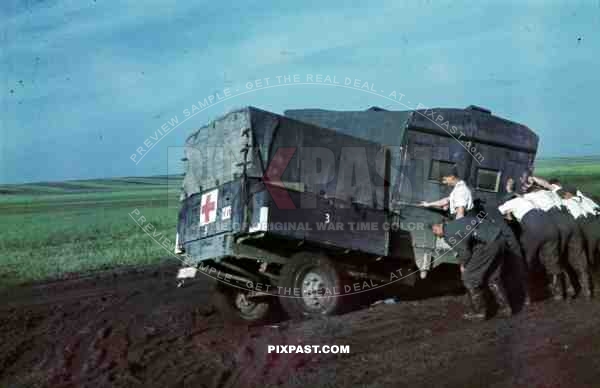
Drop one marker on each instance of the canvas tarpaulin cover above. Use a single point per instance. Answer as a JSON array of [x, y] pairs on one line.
[[323, 161]]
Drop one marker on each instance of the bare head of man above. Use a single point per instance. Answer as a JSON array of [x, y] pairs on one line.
[[451, 177]]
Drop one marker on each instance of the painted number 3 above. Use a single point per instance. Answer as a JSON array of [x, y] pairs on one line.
[[327, 218]]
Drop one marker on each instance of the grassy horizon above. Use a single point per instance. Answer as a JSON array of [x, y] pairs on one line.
[[583, 173], [54, 230]]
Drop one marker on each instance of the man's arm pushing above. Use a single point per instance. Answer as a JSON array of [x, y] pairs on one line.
[[440, 203], [542, 183]]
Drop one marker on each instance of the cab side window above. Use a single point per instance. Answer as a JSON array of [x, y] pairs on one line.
[[488, 179], [440, 168]]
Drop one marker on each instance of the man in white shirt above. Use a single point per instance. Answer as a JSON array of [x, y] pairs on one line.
[[460, 200], [590, 206], [539, 239], [572, 242], [591, 226], [573, 205], [586, 219], [585, 211]]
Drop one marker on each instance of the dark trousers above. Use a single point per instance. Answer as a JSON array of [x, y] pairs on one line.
[[485, 265], [564, 226], [515, 266], [571, 240], [590, 228], [540, 241], [512, 243]]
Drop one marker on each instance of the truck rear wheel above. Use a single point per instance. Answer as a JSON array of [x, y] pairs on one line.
[[237, 306], [310, 286]]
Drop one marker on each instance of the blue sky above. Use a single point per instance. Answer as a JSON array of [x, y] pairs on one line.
[[84, 83]]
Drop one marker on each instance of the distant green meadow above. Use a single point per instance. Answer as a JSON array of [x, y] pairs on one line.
[[55, 229], [583, 173], [52, 230]]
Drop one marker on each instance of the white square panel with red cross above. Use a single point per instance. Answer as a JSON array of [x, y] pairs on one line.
[[208, 207]]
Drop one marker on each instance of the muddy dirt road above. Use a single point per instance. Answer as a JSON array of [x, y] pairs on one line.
[[135, 329]]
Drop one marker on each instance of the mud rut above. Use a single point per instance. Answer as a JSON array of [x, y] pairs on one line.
[[133, 328]]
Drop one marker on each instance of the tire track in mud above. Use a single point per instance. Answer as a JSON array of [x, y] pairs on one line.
[[127, 333], [94, 349]]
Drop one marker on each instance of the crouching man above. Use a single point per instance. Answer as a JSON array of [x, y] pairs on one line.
[[480, 247], [540, 241], [580, 264], [572, 241]]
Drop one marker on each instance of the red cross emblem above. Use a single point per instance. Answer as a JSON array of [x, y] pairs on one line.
[[208, 207]]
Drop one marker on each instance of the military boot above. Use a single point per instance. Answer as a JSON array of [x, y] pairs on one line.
[[557, 287], [477, 303], [501, 297]]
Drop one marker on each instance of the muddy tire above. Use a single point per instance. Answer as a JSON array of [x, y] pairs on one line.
[[236, 307], [319, 281]]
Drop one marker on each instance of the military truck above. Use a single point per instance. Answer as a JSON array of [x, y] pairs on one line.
[[303, 210]]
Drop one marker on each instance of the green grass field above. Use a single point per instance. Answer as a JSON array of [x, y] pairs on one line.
[[583, 173], [50, 230]]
